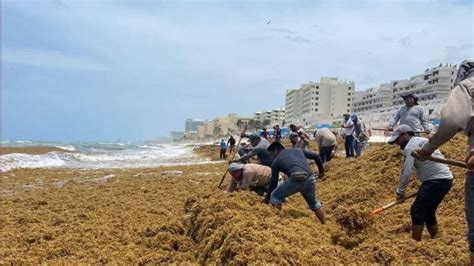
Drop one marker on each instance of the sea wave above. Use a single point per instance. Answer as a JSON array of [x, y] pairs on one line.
[[97, 156]]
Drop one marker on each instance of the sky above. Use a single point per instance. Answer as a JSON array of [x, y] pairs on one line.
[[135, 70]]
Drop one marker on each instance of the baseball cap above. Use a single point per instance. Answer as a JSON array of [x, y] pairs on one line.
[[254, 136], [398, 131], [235, 167]]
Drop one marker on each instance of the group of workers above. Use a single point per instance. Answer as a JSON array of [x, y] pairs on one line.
[[436, 178]]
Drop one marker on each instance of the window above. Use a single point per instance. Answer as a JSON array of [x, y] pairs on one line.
[[349, 88], [349, 93], [317, 87], [348, 99], [316, 109]]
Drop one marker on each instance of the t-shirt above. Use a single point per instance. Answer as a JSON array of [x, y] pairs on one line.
[[425, 169], [412, 116], [253, 175], [325, 138], [291, 161], [350, 126]]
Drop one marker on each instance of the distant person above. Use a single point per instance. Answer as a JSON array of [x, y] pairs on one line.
[[326, 141], [231, 144], [259, 148], [458, 115], [436, 181], [264, 134], [297, 141], [277, 133], [250, 176], [410, 114], [300, 131], [360, 137], [293, 162], [347, 128], [223, 146]]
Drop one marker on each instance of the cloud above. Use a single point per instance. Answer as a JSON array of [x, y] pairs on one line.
[[405, 41], [50, 59], [287, 31], [387, 39], [298, 39]]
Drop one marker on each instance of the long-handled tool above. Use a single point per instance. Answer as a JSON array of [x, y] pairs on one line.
[[391, 204], [439, 160], [233, 156], [389, 129]]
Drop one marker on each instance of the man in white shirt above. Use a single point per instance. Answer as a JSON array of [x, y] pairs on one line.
[[347, 129], [436, 180]]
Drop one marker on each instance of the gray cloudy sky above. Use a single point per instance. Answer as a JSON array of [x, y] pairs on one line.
[[134, 70]]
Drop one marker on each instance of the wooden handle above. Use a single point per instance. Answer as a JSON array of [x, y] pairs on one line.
[[439, 160], [391, 204], [233, 156]]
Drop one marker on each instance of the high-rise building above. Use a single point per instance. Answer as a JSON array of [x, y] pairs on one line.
[[192, 124], [377, 105], [275, 116], [318, 101]]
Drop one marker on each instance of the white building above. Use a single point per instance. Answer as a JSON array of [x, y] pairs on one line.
[[377, 105], [275, 116], [192, 124], [318, 101]]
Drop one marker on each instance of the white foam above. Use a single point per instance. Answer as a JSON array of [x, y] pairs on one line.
[[90, 157], [19, 160], [66, 147]]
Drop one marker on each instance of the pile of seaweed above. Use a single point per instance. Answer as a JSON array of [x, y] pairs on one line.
[[178, 215]]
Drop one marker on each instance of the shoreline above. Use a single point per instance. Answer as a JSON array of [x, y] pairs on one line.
[[176, 214]]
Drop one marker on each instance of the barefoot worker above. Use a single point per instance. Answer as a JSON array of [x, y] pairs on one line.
[[436, 180], [250, 176], [259, 149], [458, 115], [293, 162]]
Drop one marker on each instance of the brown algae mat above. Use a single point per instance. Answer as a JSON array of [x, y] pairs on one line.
[[177, 215], [34, 150]]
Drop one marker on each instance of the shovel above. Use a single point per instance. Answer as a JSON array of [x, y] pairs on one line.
[[391, 204], [439, 160], [390, 130], [233, 156]]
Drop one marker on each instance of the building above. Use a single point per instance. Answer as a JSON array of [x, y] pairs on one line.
[[176, 135], [220, 126], [192, 124], [318, 101], [377, 105], [274, 117]]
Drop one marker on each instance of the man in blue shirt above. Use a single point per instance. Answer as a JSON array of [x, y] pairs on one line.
[[293, 162], [223, 149]]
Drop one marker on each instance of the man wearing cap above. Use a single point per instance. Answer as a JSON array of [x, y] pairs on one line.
[[259, 149], [347, 129], [301, 133], [458, 115], [411, 114], [297, 141], [326, 141], [250, 176], [436, 181], [293, 162]]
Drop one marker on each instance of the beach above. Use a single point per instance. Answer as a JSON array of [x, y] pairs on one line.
[[176, 214]]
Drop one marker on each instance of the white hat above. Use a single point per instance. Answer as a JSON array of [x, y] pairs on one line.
[[398, 131], [233, 167]]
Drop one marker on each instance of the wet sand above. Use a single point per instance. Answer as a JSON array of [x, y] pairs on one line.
[[177, 215]]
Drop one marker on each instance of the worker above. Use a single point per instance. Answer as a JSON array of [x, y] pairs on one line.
[[250, 176], [326, 141], [410, 114], [259, 148], [436, 180]]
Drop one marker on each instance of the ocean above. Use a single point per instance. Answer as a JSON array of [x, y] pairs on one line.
[[94, 155]]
